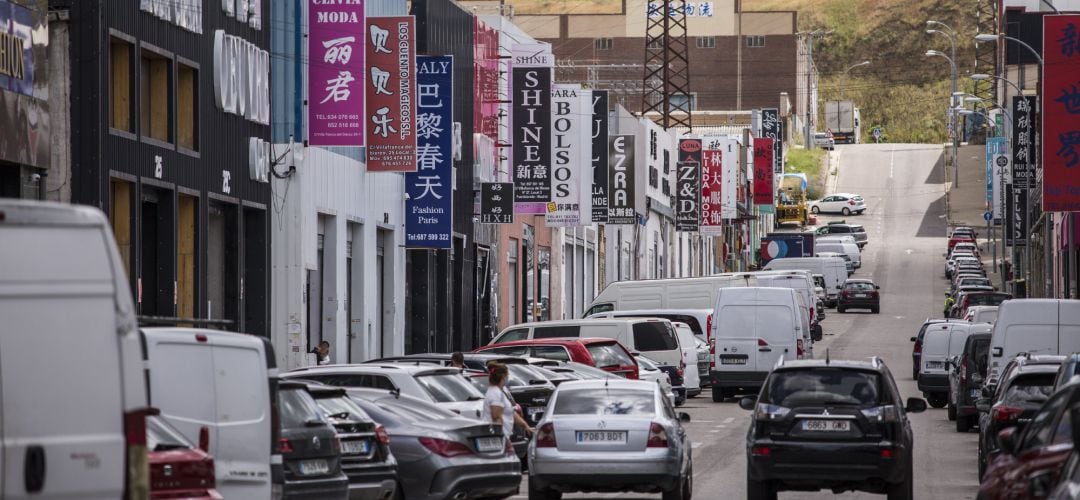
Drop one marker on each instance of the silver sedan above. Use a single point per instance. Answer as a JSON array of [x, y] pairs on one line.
[[610, 435]]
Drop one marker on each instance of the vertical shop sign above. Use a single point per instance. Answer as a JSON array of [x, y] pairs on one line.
[[430, 204], [531, 123], [764, 186], [621, 180], [497, 203], [335, 74], [571, 156], [730, 195], [773, 128], [486, 90], [599, 156], [1061, 113], [997, 165], [1015, 225], [712, 185], [390, 94], [1023, 161], [688, 186]]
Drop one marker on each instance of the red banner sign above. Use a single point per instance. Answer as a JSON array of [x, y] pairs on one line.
[[711, 184], [763, 171], [391, 94], [1061, 113]]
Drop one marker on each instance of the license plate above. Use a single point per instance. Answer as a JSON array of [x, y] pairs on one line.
[[601, 436], [488, 444], [826, 425], [733, 359], [533, 410], [935, 364], [355, 447], [974, 393], [313, 467], [860, 295]]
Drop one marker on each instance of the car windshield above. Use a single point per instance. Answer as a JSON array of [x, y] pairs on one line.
[[160, 436], [586, 371], [448, 387], [859, 286], [342, 408], [609, 355], [823, 387], [1031, 389], [605, 402], [296, 408], [646, 363]]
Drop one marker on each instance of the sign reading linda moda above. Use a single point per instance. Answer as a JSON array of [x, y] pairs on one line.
[[773, 128], [335, 73], [621, 180], [531, 121], [688, 186], [599, 156], [712, 186], [391, 94], [497, 203], [430, 206], [763, 171], [1061, 113], [571, 151]]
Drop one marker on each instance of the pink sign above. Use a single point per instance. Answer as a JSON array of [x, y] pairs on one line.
[[335, 73], [391, 95], [711, 183], [763, 171]]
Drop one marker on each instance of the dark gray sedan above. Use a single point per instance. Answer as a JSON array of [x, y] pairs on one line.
[[442, 455]]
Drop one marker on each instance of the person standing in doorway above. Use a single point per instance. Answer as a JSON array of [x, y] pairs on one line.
[[457, 360], [323, 353], [498, 406]]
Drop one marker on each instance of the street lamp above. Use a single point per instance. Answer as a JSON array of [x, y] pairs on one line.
[[952, 116], [984, 37], [843, 81]]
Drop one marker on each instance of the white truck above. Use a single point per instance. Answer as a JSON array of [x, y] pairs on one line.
[[842, 121]]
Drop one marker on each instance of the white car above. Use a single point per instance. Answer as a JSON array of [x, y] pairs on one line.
[[648, 370], [824, 140], [839, 203]]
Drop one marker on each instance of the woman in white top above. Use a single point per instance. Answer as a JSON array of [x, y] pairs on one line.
[[498, 407]]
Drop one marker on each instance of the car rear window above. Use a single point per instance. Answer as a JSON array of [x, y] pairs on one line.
[[609, 354], [1029, 389], [605, 402], [654, 336], [858, 229], [986, 299], [296, 407], [160, 436], [823, 386], [861, 287], [342, 407], [981, 354], [552, 332], [839, 229], [448, 387], [556, 352]]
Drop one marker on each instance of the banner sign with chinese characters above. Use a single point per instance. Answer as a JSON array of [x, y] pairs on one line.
[[599, 156], [1061, 113], [688, 8], [997, 167], [571, 155], [335, 74], [486, 89], [531, 125], [497, 203], [764, 186], [1015, 225], [1023, 154], [391, 94], [621, 180], [429, 208], [712, 186], [688, 186], [773, 128]]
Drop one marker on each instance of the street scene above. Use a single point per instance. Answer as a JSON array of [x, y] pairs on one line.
[[517, 249]]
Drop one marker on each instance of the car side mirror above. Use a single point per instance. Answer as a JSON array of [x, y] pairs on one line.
[[997, 352], [877, 287], [748, 403], [204, 439], [915, 405], [684, 417], [913, 339], [1007, 440]]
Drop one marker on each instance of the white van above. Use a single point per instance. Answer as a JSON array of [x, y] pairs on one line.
[[754, 328], [71, 379], [941, 342], [683, 331], [653, 337], [849, 266], [1037, 326], [844, 247], [227, 383], [832, 269], [982, 314], [671, 293]]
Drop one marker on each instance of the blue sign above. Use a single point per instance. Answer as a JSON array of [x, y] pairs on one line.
[[430, 190], [988, 216]]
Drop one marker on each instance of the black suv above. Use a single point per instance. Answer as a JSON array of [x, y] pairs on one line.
[[859, 294], [838, 425], [966, 381], [1025, 384], [309, 447]]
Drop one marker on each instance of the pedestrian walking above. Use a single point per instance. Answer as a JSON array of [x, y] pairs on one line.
[[499, 407], [949, 301]]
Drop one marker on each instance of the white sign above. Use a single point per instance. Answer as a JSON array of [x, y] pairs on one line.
[[241, 78], [246, 11], [571, 157], [729, 194], [1002, 174], [689, 8], [186, 14], [258, 159]]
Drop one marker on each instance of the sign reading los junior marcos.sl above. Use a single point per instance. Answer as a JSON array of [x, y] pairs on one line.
[[390, 95]]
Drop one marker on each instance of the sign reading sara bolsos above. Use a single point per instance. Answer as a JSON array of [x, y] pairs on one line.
[[773, 128], [391, 94], [335, 73], [430, 204], [763, 171], [1061, 113], [621, 180], [531, 120], [497, 203], [599, 156], [571, 152], [688, 186], [712, 187]]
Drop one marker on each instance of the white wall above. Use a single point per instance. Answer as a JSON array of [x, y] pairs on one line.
[[338, 187]]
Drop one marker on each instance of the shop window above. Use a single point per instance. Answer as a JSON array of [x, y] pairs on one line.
[[603, 43], [120, 220], [706, 42], [155, 95], [120, 77], [185, 256], [683, 102], [755, 41], [187, 106]]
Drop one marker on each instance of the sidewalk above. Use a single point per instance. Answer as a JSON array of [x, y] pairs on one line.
[[967, 203]]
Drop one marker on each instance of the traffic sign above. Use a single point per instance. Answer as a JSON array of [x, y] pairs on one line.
[[988, 216]]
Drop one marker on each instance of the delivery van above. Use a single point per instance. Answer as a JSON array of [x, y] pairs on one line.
[[832, 269], [1036, 326], [670, 293], [653, 337], [844, 247]]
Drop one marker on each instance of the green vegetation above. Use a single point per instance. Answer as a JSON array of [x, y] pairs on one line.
[[809, 162]]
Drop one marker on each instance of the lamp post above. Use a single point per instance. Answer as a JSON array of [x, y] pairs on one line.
[[810, 36], [843, 81], [952, 114]]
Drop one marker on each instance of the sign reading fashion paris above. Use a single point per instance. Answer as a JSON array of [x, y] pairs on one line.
[[335, 73], [621, 180], [390, 94], [600, 156], [429, 208]]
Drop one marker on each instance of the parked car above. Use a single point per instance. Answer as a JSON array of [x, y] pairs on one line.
[[1030, 460], [310, 448], [581, 371], [964, 231], [681, 320], [941, 342], [1045, 326], [1070, 367], [842, 227], [979, 298], [841, 203], [436, 384], [604, 353], [859, 294], [832, 271], [829, 424], [969, 281], [849, 265], [178, 469], [982, 314], [641, 447], [68, 325], [653, 336], [650, 371], [530, 390], [1024, 386], [967, 378], [1068, 486], [824, 140], [442, 455], [916, 350]]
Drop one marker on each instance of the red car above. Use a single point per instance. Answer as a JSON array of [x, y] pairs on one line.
[[178, 469], [979, 298], [958, 239], [606, 354], [1029, 462]]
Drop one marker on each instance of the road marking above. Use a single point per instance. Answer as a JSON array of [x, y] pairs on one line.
[[714, 430], [696, 444], [908, 251], [702, 421], [729, 420], [891, 151]]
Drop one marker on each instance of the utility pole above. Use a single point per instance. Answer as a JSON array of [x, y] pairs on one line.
[[810, 92], [667, 65]]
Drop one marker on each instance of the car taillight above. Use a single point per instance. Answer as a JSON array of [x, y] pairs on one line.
[[380, 433], [712, 354], [445, 448], [963, 370], [760, 451], [762, 343], [138, 462], [768, 412], [799, 348], [918, 348], [708, 327], [633, 374], [545, 436], [1005, 413], [657, 436], [284, 446]]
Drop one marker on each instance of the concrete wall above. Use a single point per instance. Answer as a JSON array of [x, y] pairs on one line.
[[58, 182]]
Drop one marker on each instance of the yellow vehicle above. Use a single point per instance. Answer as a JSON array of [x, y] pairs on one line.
[[791, 204]]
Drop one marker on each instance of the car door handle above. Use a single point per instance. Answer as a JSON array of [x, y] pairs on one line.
[[765, 349], [34, 469]]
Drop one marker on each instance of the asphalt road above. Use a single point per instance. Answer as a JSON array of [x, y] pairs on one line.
[[905, 220]]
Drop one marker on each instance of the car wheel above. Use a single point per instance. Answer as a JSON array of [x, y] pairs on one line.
[[845, 212], [536, 493], [759, 490], [718, 394], [814, 209], [951, 411], [841, 309], [936, 400], [875, 309], [682, 492], [963, 424], [904, 489]]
